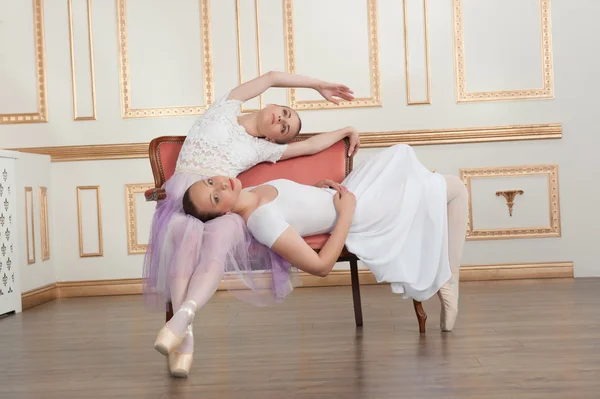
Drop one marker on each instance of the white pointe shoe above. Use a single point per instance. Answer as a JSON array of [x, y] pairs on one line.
[[180, 363], [448, 295], [167, 341]]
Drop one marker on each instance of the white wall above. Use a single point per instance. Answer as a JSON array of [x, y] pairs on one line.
[[165, 69], [111, 176], [34, 171]]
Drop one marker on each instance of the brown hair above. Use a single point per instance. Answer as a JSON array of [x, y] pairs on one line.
[[190, 209]]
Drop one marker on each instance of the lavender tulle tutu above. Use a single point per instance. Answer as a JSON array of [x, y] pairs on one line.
[[180, 245]]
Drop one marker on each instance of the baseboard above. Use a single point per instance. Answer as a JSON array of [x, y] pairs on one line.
[[517, 271], [39, 296], [337, 278], [133, 286], [71, 289]]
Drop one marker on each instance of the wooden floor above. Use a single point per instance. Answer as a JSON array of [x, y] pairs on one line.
[[525, 339]]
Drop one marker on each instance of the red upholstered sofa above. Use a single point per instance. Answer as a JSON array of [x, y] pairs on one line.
[[332, 163]]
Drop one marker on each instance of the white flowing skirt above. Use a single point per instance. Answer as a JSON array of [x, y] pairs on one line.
[[400, 226]]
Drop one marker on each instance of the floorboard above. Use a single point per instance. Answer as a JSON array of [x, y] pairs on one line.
[[513, 339]]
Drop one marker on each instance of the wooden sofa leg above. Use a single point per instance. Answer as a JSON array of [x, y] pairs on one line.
[[421, 315], [170, 311], [356, 292]]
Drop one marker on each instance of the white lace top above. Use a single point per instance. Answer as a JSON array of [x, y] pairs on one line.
[[218, 145]]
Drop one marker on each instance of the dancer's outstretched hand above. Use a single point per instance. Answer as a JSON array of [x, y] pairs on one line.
[[354, 141], [328, 183], [333, 91]]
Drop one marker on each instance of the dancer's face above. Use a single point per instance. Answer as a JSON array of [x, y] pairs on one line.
[[217, 194], [278, 124]]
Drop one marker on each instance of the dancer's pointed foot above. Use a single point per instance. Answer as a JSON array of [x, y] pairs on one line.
[[171, 336], [180, 360], [448, 295]]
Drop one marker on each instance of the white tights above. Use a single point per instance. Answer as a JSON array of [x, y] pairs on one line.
[[457, 200], [199, 288]]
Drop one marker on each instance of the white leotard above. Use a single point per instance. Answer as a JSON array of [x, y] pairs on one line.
[[308, 209]]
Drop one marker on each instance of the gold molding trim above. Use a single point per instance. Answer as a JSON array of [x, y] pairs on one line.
[[99, 215], [207, 72], [29, 213], [406, 57], [290, 57], [553, 230], [462, 135], [133, 247], [368, 140], [133, 286], [239, 48], [95, 152], [525, 94], [76, 116], [44, 224], [41, 116]]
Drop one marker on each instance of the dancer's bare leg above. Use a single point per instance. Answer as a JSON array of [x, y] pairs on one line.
[[457, 199]]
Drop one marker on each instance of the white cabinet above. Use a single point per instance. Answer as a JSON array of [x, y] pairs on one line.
[[10, 291]]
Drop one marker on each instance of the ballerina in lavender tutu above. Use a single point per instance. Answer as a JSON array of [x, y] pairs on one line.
[[186, 256]]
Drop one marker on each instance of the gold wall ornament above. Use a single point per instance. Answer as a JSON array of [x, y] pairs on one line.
[[207, 71], [407, 58], [509, 195], [489, 134], [100, 252], [41, 116], [44, 223], [290, 56], [239, 49], [554, 226], [29, 225], [76, 116], [547, 91], [133, 247]]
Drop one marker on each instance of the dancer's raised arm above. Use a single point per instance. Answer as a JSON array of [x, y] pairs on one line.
[[322, 141], [255, 87]]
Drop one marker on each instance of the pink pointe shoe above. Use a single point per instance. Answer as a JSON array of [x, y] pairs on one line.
[[180, 363], [167, 341], [448, 295]]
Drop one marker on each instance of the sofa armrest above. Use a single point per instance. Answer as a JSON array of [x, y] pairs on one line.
[[155, 194]]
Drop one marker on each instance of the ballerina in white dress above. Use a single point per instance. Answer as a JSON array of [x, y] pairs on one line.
[[405, 223], [223, 141]]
